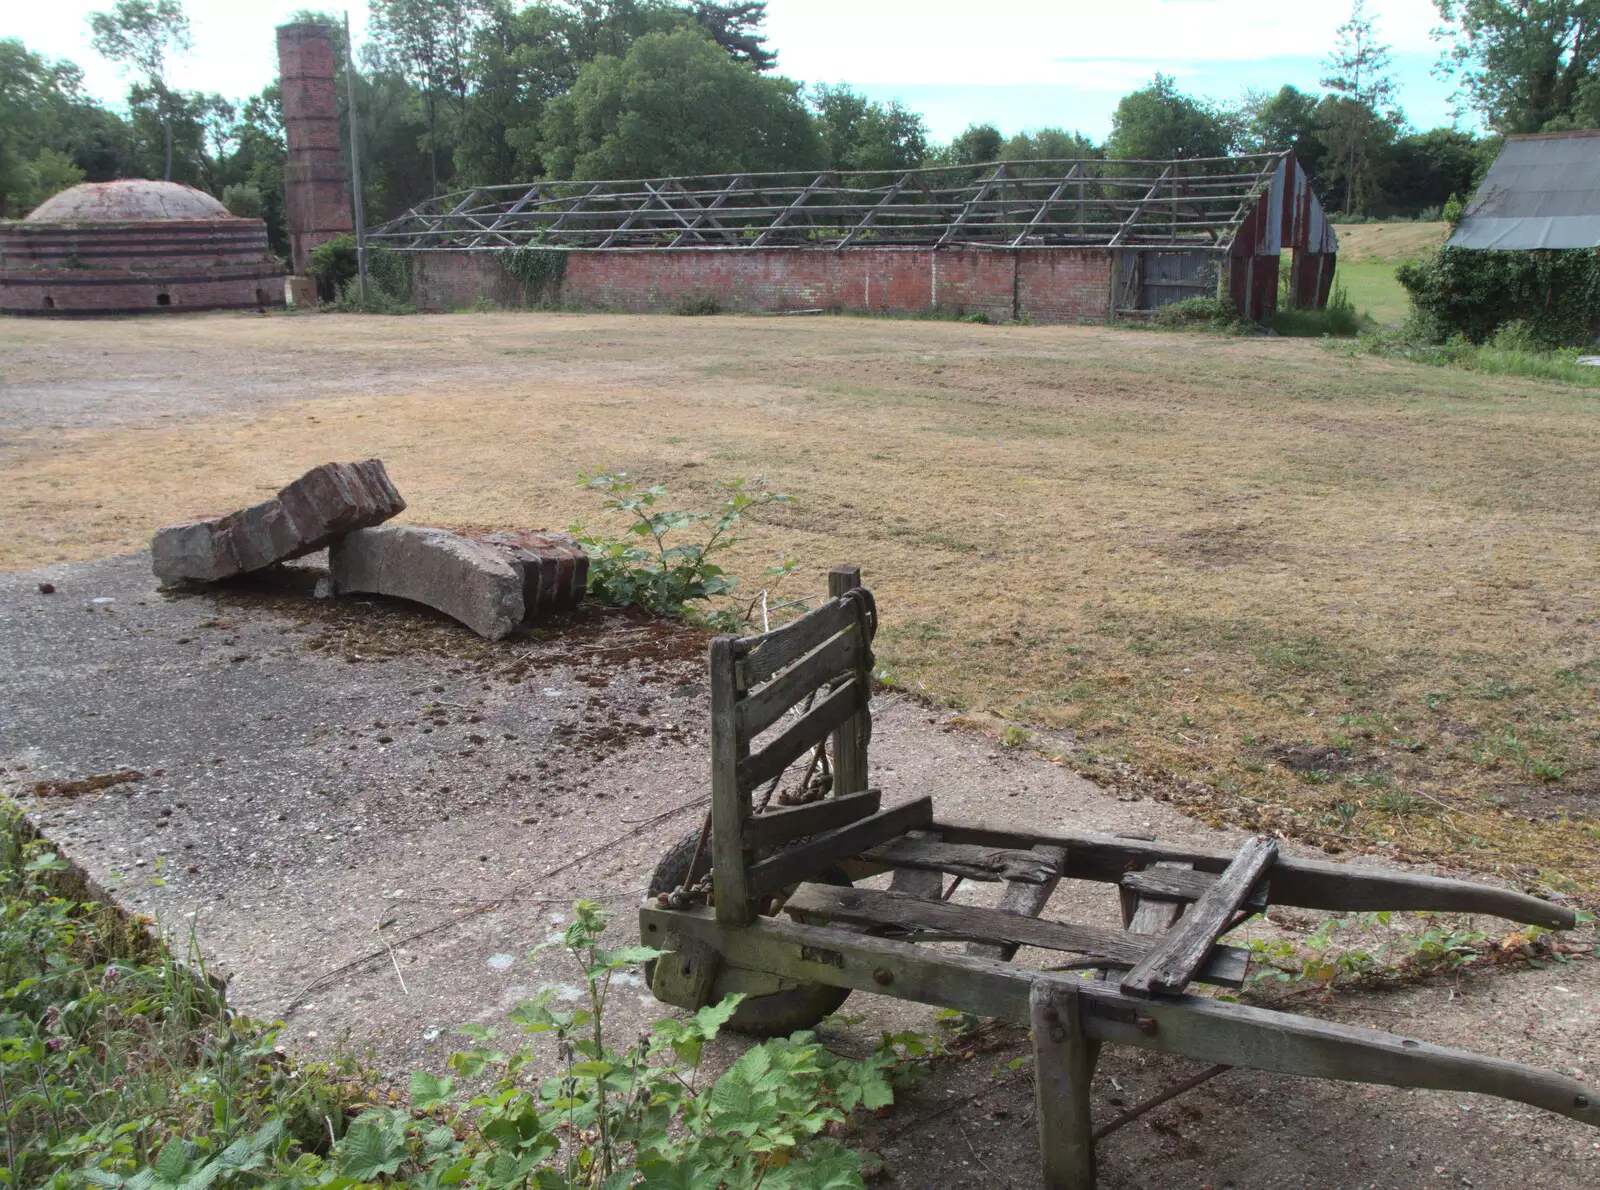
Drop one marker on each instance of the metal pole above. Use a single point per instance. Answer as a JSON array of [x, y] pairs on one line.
[[355, 161]]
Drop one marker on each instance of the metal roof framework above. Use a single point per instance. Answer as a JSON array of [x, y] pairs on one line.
[[1543, 191], [1196, 202]]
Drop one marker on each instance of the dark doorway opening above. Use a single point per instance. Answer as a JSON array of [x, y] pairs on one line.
[[163, 299], [49, 302]]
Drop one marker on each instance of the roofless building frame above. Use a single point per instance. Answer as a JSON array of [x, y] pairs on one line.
[[1083, 240]]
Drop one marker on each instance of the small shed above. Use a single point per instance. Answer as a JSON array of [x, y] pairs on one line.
[[1543, 192]]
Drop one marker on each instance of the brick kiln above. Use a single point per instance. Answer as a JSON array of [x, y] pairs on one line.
[[133, 247]]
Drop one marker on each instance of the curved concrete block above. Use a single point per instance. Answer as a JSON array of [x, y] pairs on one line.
[[466, 580]]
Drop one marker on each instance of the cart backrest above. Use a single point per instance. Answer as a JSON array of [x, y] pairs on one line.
[[820, 664]]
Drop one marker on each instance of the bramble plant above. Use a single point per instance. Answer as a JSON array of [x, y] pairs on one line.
[[640, 567]]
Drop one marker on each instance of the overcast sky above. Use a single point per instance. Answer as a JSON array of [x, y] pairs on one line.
[[1016, 63]]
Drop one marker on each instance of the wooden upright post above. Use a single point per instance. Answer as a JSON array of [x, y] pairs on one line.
[[1063, 1065], [849, 741], [730, 805]]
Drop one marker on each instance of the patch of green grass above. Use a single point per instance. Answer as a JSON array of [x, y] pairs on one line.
[[1373, 289], [1494, 359]]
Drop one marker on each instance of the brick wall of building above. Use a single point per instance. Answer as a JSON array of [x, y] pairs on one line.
[[316, 181], [1042, 285]]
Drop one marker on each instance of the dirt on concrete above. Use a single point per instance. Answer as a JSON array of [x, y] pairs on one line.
[[369, 818]]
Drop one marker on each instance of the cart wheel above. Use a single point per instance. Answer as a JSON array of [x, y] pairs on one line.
[[779, 1013]]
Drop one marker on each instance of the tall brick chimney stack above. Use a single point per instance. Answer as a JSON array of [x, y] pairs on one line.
[[316, 180]]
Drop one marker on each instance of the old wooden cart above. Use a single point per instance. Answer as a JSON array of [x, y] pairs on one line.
[[723, 932]]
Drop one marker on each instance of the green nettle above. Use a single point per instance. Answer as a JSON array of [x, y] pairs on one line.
[[538, 270], [640, 568]]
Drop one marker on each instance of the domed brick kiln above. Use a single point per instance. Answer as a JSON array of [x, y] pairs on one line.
[[135, 247]]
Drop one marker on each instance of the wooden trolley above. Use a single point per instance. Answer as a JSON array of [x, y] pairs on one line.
[[717, 898]]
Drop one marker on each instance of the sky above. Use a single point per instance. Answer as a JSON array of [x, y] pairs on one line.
[[1018, 64]]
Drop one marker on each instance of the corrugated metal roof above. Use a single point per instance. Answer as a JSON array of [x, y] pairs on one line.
[[1543, 191]]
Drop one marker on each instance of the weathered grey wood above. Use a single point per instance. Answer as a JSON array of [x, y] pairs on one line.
[[1153, 916], [1204, 1029], [1300, 883], [964, 859], [918, 882], [850, 740], [1183, 950], [794, 822], [762, 656], [879, 907], [1063, 1068], [835, 656], [1028, 900], [804, 734], [730, 805], [1170, 882], [685, 974], [809, 859]]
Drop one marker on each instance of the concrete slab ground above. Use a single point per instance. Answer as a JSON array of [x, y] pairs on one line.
[[322, 781]]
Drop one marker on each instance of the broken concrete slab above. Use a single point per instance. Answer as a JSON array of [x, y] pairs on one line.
[[465, 579], [310, 513], [491, 582]]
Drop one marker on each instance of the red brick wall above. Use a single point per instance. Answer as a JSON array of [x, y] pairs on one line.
[[1043, 285], [159, 243]]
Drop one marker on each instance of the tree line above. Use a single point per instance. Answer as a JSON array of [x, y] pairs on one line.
[[456, 93]]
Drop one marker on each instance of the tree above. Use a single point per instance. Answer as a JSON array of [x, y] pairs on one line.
[[143, 35], [737, 29], [1423, 169], [677, 104], [1360, 118], [979, 144], [1524, 65], [859, 134], [428, 41], [1160, 123], [1049, 144], [1286, 119], [51, 135]]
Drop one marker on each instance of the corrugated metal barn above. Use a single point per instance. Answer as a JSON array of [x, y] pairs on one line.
[[1049, 241]]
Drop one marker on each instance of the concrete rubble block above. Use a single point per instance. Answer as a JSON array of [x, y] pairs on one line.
[[491, 582], [322, 505]]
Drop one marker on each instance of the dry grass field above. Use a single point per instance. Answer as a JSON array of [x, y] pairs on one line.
[[1347, 598]]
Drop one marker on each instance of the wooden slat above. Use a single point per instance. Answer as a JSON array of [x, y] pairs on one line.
[[1063, 1068], [962, 859], [1152, 916], [822, 664], [1299, 883], [809, 859], [763, 656], [794, 822], [1120, 948], [1165, 882], [730, 805], [1184, 950], [850, 740], [1028, 900], [1204, 1029], [804, 734], [918, 882]]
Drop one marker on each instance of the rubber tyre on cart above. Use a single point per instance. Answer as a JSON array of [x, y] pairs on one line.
[[779, 1013]]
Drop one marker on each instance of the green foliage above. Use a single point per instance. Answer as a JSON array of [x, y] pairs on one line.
[[860, 134], [120, 1068], [1524, 67], [676, 104], [1452, 210], [1339, 317], [1496, 358], [333, 262], [1159, 122], [244, 200], [538, 270], [641, 569], [1551, 296], [700, 305], [1210, 313]]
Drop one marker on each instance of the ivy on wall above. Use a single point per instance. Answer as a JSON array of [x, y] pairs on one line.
[[539, 271], [1554, 295]]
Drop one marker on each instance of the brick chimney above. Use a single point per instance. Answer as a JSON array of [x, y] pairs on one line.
[[316, 180]]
